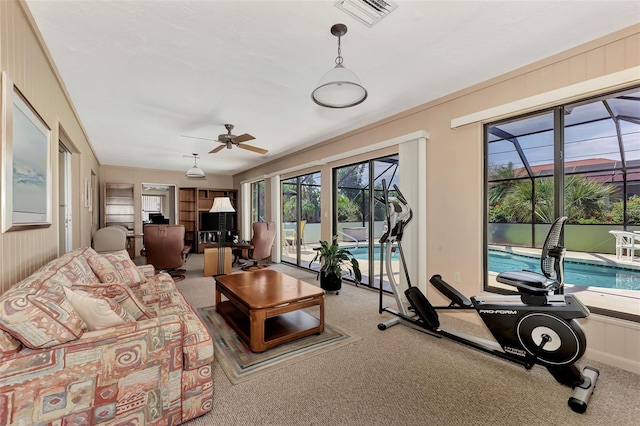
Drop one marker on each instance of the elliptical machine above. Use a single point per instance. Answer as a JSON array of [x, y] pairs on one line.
[[537, 326]]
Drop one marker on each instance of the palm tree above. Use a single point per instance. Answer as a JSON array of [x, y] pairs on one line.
[[518, 201], [583, 199], [502, 179], [586, 198]]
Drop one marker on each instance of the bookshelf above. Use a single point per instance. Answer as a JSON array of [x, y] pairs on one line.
[[118, 205], [193, 201]]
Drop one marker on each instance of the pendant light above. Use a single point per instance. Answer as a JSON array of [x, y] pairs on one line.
[[194, 172], [339, 87]]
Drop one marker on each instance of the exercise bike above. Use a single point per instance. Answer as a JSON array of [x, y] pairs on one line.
[[537, 326]]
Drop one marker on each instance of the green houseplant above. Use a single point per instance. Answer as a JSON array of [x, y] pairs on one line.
[[334, 260]]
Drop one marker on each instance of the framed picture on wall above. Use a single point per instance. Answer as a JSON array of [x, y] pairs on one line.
[[26, 162]]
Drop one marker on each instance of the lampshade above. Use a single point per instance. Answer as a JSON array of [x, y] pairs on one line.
[[194, 172], [222, 205], [339, 87]]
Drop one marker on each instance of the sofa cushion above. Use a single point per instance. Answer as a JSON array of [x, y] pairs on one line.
[[9, 345], [116, 267], [121, 294], [97, 312], [37, 313]]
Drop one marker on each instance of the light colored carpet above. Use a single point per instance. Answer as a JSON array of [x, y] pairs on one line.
[[240, 364], [403, 377]]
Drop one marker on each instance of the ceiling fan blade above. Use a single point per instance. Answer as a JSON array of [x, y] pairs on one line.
[[204, 139], [252, 148], [220, 148], [242, 138]]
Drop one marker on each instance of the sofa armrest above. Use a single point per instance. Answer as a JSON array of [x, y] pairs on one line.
[[136, 366]]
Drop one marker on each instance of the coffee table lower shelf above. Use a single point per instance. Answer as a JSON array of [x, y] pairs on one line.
[[277, 330]]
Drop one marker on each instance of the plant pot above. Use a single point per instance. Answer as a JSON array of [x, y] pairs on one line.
[[330, 282]]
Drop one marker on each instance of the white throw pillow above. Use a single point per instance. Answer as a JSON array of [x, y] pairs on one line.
[[97, 312]]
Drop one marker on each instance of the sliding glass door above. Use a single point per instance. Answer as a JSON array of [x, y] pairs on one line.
[[301, 215], [360, 213]]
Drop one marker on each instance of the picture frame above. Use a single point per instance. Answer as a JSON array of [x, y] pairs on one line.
[[88, 196], [25, 161]]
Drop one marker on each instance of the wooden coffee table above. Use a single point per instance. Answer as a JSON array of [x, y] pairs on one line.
[[265, 307]]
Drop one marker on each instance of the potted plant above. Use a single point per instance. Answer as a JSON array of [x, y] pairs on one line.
[[334, 260]]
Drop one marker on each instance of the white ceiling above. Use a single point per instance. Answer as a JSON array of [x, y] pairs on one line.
[[143, 73]]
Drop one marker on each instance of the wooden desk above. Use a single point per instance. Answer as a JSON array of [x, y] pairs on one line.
[[265, 307]]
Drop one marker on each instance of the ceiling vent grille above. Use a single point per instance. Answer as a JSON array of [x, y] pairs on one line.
[[369, 12]]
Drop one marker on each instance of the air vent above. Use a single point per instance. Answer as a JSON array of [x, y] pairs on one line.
[[369, 12]]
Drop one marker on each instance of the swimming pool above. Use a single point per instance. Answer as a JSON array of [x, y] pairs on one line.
[[575, 272], [361, 252]]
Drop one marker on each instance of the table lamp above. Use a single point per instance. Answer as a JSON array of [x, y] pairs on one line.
[[222, 206]]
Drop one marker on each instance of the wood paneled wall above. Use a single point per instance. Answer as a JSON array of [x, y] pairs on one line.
[[25, 60]]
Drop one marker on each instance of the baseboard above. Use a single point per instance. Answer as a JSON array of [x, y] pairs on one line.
[[626, 364]]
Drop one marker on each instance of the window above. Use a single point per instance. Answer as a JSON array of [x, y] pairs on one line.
[[257, 202], [581, 160], [151, 204]]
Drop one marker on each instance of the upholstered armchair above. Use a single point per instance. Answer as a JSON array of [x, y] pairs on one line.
[[165, 248], [110, 239], [264, 233]]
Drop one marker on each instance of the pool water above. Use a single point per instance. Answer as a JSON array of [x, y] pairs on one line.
[[575, 272], [361, 253]]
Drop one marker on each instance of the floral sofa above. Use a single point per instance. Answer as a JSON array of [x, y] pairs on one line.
[[93, 339]]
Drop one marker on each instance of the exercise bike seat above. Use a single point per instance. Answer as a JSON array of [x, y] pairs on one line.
[[454, 295], [528, 282], [551, 260]]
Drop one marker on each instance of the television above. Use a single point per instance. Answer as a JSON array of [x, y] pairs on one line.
[[154, 216], [158, 219], [209, 221]]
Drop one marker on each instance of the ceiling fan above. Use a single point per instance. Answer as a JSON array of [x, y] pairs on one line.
[[228, 140]]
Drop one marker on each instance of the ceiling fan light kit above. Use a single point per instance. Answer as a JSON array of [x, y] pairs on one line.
[[339, 87], [194, 172]]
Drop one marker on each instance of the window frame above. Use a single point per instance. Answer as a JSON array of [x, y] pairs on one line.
[[559, 174]]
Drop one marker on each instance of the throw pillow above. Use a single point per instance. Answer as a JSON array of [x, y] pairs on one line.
[[74, 266], [121, 294], [36, 312], [116, 268], [97, 312]]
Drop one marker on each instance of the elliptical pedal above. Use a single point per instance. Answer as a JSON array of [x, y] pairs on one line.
[[422, 307]]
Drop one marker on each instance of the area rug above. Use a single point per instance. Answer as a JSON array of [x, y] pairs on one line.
[[240, 364]]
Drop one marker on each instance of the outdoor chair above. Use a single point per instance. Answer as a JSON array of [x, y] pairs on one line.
[[626, 244]]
